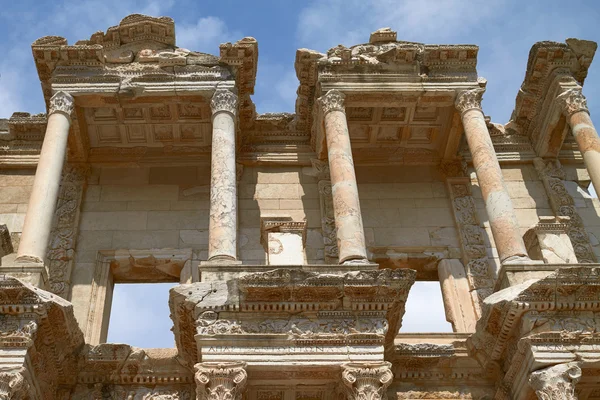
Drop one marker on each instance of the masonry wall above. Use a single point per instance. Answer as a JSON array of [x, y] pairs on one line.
[[15, 188]]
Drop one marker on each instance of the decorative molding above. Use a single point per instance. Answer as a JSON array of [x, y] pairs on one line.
[[63, 103], [224, 100], [469, 100], [572, 101], [333, 100], [367, 380], [220, 381], [556, 382], [14, 386]]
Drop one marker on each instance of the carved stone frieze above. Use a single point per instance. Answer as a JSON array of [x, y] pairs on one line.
[[61, 252], [469, 100], [367, 381], [556, 382], [563, 205], [224, 100], [61, 102], [332, 101], [14, 386], [220, 381], [572, 101]]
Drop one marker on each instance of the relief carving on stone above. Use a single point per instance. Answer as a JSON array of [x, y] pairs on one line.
[[563, 205], [224, 100], [572, 101], [220, 381], [367, 380], [333, 100], [61, 252], [14, 386], [556, 382], [469, 100], [61, 102]]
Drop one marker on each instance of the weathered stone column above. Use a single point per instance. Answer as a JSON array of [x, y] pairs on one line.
[[44, 194], [578, 117], [226, 380], [498, 204], [346, 206], [556, 382], [222, 230], [367, 380]]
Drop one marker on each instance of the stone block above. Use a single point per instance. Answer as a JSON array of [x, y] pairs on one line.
[[17, 177], [192, 219], [433, 203], [309, 191], [181, 175], [435, 217], [92, 193], [123, 176], [422, 190], [304, 204], [402, 237], [145, 239], [8, 208], [277, 176], [94, 241], [381, 218], [113, 220], [136, 193], [249, 218], [396, 203], [513, 174], [439, 189], [277, 191], [13, 221], [444, 236], [249, 239], [104, 206], [314, 239], [15, 194], [149, 205], [203, 204], [193, 237], [22, 208]]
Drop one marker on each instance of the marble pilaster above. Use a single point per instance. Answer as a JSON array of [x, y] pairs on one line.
[[222, 235], [575, 108], [498, 204], [44, 194], [346, 205]]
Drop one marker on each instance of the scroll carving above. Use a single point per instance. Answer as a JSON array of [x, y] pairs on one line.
[[469, 100], [224, 100], [572, 101], [61, 253], [220, 381], [556, 382], [367, 381], [61, 102], [333, 100], [563, 205], [13, 385]]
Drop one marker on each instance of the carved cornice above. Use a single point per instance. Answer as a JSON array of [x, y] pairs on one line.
[[368, 380], [224, 100], [572, 101], [469, 100], [333, 100], [220, 381], [556, 382], [63, 103]]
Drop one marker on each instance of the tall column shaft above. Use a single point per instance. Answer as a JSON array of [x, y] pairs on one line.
[[44, 194], [346, 205], [222, 233], [578, 117], [498, 204]]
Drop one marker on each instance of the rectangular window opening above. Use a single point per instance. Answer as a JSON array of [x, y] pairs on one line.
[[425, 311], [139, 315]]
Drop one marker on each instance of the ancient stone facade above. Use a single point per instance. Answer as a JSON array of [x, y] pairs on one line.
[[295, 239]]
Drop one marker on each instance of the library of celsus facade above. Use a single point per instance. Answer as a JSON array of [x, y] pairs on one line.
[[295, 239]]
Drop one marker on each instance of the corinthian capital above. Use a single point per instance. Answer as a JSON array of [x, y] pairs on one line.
[[556, 382], [13, 385], [332, 101], [572, 101], [61, 102], [220, 381], [367, 380], [224, 100], [469, 100]]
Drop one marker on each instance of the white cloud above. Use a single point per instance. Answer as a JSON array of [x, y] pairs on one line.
[[205, 35]]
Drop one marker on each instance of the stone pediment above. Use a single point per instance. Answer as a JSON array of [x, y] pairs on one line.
[[291, 311]]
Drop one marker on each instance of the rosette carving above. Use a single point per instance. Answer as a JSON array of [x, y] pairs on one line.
[[572, 101], [469, 100], [61, 102], [224, 100], [220, 381], [332, 101], [556, 382], [367, 381]]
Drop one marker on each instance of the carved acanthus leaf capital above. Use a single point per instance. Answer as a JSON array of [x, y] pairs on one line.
[[61, 102], [224, 100], [469, 100], [572, 101], [367, 381], [556, 382], [332, 101], [13, 385], [220, 381]]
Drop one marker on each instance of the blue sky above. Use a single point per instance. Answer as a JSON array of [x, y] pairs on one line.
[[505, 30]]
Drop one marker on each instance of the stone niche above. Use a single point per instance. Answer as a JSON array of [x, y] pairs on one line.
[[284, 240]]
